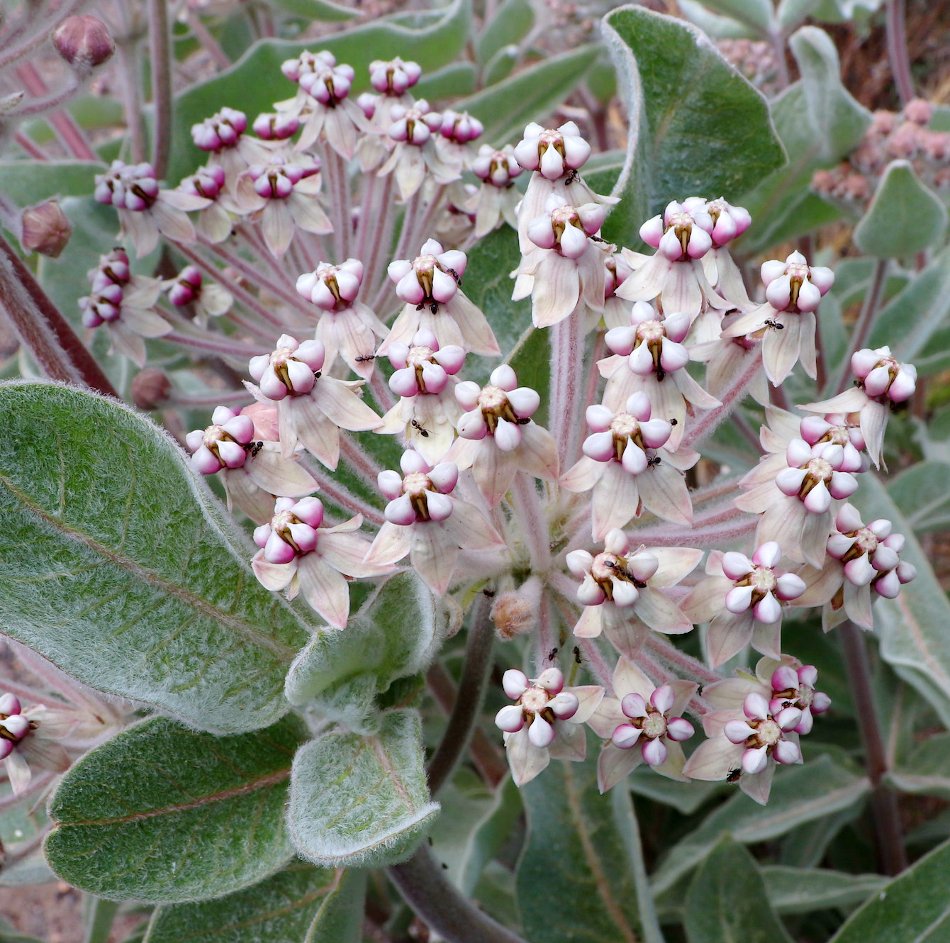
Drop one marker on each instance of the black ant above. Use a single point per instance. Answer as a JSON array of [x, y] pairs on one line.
[[455, 275], [365, 358], [419, 428], [488, 593], [571, 177], [577, 654], [775, 324], [552, 654], [255, 447], [674, 422], [653, 462], [316, 374], [734, 774]]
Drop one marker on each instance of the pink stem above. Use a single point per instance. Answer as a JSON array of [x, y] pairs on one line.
[[729, 399], [534, 529]]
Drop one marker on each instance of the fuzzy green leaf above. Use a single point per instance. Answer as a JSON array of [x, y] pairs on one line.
[[118, 565], [913, 627], [904, 218], [360, 801], [509, 24], [922, 496], [316, 10], [697, 127], [300, 904], [162, 813], [913, 907], [581, 872], [727, 901]]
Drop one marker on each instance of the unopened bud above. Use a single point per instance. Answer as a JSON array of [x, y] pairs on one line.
[[516, 612], [45, 229], [83, 41], [150, 388]]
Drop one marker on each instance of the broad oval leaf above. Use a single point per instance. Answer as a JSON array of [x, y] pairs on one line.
[[697, 127], [581, 874], [165, 814], [913, 627], [509, 24], [905, 217], [921, 493], [926, 770], [301, 904], [727, 900], [914, 906], [119, 566], [361, 801]]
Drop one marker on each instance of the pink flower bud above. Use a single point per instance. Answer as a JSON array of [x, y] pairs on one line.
[[45, 229], [84, 42]]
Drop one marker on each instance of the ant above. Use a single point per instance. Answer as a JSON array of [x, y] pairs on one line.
[[316, 374], [456, 276], [365, 358], [734, 774], [577, 654], [419, 428], [488, 593], [255, 448], [571, 177], [653, 462], [674, 422], [775, 324], [552, 653]]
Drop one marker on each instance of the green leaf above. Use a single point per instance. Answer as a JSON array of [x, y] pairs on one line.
[[529, 95], [489, 834], [395, 634], [913, 627], [916, 314], [30, 181], [913, 907], [361, 801], [300, 904], [904, 218], [118, 565], [926, 771], [800, 794], [255, 82], [501, 65], [754, 13], [451, 82], [685, 797], [98, 916], [316, 10], [922, 496], [818, 123], [509, 24], [165, 814], [727, 902], [581, 875], [697, 127], [803, 890]]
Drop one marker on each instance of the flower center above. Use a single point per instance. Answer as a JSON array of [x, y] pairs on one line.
[[763, 580], [418, 357], [819, 469], [768, 732], [654, 725], [534, 700], [416, 484], [651, 331], [623, 425]]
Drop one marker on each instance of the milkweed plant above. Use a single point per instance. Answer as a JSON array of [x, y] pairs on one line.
[[471, 495]]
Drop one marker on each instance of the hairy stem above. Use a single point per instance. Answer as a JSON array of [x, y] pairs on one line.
[[160, 53], [897, 50], [131, 100], [888, 838], [567, 381], [42, 330], [435, 900], [730, 398], [468, 698], [666, 652], [865, 322], [527, 507]]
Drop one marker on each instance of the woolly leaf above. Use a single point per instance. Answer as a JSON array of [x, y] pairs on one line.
[[118, 565], [161, 813], [360, 801]]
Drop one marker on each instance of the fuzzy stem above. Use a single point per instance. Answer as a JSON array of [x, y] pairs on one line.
[[43, 330], [545, 639], [468, 698], [207, 41], [730, 398], [865, 322], [340, 198], [714, 535], [36, 106], [667, 652], [527, 507], [14, 52], [378, 227], [339, 494], [30, 146], [567, 380], [897, 51], [888, 839], [72, 137], [381, 391], [596, 662], [214, 345], [131, 100], [426, 890], [359, 461], [485, 757], [160, 53]]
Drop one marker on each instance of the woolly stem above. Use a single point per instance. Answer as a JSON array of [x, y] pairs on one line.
[[729, 399], [897, 50], [526, 504], [865, 322], [426, 890], [669, 653], [42, 330], [160, 55], [567, 382], [888, 838], [468, 698]]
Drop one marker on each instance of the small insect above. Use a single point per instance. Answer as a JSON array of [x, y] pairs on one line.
[[577, 654], [256, 447], [523, 421], [660, 374], [434, 307], [488, 592], [445, 867], [674, 422], [571, 177], [365, 358], [699, 690], [552, 653], [456, 276], [775, 324], [316, 374], [429, 840], [734, 774], [653, 462], [419, 428]]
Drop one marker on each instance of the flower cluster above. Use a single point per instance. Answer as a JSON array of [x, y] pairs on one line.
[[328, 263]]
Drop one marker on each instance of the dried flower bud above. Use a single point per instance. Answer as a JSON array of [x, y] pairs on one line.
[[84, 42], [150, 388], [45, 229]]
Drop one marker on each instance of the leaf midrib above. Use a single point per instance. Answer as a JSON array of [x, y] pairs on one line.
[[228, 619]]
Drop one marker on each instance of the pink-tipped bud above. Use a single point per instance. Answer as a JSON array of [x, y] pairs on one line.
[[150, 388], [45, 229], [84, 42]]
